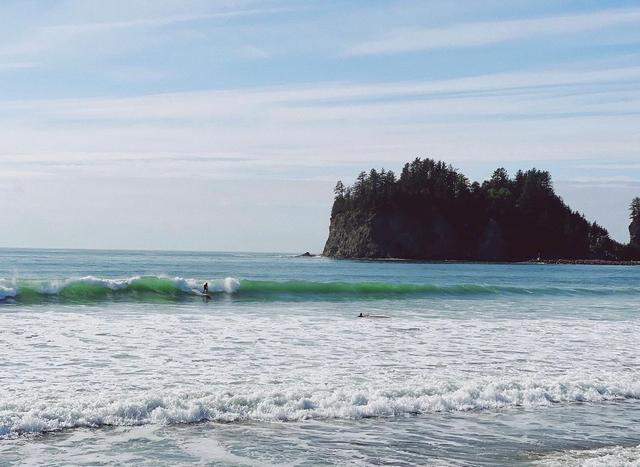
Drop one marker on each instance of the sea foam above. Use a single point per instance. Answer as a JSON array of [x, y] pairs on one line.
[[618, 456], [23, 415]]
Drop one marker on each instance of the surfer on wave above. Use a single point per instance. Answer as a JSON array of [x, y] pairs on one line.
[[205, 288]]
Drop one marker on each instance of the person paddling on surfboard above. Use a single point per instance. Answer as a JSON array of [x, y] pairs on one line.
[[205, 289]]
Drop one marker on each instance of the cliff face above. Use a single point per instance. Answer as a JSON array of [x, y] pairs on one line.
[[387, 234], [351, 236], [634, 232], [433, 213], [393, 235]]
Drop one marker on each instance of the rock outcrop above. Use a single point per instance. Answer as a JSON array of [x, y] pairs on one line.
[[432, 212], [388, 234], [634, 232]]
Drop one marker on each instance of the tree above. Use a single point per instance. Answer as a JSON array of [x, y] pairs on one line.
[[500, 218], [359, 185], [500, 178], [374, 181], [635, 209], [390, 177]]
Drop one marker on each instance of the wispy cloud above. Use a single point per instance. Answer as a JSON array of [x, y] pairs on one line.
[[530, 93], [17, 65], [537, 115], [602, 182], [612, 166], [253, 52], [159, 21], [491, 32], [126, 33]]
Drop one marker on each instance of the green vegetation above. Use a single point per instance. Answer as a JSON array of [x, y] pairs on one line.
[[634, 228], [635, 209], [431, 211]]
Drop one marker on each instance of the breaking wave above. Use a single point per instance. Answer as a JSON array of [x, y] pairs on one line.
[[24, 415], [89, 288], [618, 456], [160, 288]]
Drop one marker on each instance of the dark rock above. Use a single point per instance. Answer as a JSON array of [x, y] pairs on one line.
[[634, 232], [432, 212], [493, 246]]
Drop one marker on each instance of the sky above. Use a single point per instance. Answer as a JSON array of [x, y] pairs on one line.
[[224, 125]]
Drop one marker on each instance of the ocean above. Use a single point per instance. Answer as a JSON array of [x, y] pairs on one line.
[[114, 357]]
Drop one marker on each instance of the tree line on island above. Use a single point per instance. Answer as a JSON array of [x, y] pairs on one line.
[[432, 211]]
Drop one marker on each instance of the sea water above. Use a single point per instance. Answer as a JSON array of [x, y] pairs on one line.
[[115, 357]]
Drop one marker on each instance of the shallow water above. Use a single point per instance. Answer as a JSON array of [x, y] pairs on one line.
[[477, 363]]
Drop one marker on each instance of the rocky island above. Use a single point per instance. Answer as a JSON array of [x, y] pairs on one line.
[[433, 212]]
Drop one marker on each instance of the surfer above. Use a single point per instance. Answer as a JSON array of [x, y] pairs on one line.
[[205, 289]]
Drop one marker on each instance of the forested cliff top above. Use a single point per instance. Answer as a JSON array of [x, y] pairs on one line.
[[433, 212]]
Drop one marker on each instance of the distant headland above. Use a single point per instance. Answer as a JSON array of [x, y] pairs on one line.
[[433, 212]]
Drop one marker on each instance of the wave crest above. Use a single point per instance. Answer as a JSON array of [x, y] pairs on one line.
[[90, 288], [150, 288], [298, 404]]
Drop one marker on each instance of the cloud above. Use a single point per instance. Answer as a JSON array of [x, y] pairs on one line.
[[11, 66], [253, 52], [602, 182], [123, 32], [612, 165], [492, 32], [309, 131], [540, 93], [158, 21]]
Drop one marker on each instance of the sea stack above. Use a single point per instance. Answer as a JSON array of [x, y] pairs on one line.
[[634, 232], [433, 212]]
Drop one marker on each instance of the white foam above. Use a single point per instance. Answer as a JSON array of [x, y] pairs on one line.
[[227, 285], [7, 292], [618, 456], [26, 415], [231, 285], [113, 284], [10, 289], [54, 286]]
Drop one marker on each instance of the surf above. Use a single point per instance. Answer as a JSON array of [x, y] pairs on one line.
[[24, 415], [89, 289]]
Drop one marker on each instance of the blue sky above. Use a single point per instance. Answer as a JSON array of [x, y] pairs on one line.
[[223, 125]]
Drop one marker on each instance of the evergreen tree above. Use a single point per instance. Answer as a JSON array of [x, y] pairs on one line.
[[635, 209], [524, 213]]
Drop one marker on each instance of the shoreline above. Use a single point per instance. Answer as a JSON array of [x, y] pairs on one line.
[[588, 262], [593, 262]]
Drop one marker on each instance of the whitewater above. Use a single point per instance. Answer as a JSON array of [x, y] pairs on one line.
[[117, 356]]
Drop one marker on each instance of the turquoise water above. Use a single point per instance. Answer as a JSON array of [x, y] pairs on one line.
[[115, 356]]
